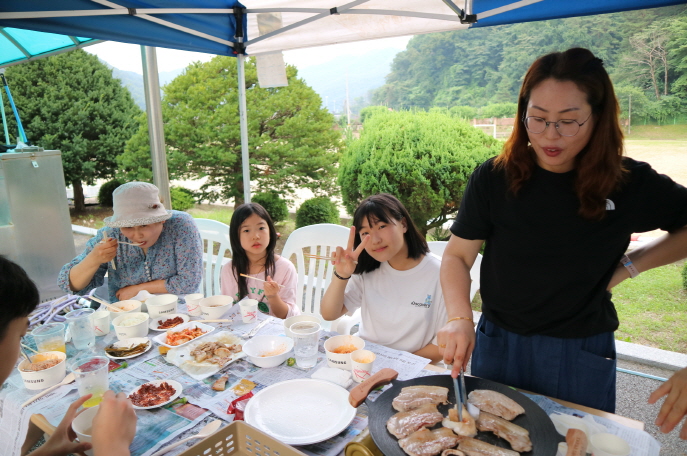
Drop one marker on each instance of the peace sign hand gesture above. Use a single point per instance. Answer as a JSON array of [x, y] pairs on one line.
[[346, 260]]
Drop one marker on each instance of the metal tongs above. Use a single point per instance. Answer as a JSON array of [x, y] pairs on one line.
[[461, 394]]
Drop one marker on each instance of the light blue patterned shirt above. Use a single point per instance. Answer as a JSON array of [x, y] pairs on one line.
[[176, 258]]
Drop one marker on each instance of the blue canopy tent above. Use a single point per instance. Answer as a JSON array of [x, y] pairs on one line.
[[267, 26]]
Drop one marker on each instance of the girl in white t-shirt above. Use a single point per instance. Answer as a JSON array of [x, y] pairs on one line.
[[253, 239], [387, 271]]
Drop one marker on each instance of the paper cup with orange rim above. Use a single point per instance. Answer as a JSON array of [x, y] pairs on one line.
[[361, 364]]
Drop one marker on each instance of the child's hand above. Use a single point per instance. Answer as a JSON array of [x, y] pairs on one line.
[[271, 288], [61, 442], [345, 261]]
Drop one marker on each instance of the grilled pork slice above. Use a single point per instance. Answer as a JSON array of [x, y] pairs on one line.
[[577, 442], [474, 447], [452, 453], [518, 437], [221, 383], [466, 428], [414, 396], [403, 424], [495, 403], [429, 443]]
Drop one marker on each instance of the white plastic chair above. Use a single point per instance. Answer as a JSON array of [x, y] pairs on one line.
[[322, 239], [214, 233], [438, 247]]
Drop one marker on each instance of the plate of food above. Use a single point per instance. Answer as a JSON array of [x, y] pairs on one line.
[[128, 348], [508, 420], [168, 322], [155, 394], [183, 334], [205, 357]]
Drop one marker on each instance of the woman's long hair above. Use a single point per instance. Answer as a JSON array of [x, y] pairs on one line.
[[599, 165], [386, 208], [239, 259]]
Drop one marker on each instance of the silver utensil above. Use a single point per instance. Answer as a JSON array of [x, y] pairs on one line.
[[252, 332], [459, 399], [463, 392]]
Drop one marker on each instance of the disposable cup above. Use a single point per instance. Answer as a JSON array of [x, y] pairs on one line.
[[81, 329], [306, 336], [50, 337], [193, 304], [361, 364], [249, 310], [83, 426], [91, 374], [101, 322]]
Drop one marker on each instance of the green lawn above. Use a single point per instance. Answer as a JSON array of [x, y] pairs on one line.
[[672, 132]]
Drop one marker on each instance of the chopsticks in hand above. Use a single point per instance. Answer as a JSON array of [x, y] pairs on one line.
[[318, 257], [255, 278]]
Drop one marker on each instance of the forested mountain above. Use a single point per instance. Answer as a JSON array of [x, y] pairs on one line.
[[478, 67]]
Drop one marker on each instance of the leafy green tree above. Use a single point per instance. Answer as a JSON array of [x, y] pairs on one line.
[[424, 159], [290, 136], [464, 112], [499, 110], [370, 111], [71, 102], [677, 51]]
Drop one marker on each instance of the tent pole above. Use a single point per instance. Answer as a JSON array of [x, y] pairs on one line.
[[244, 126], [156, 132], [4, 120]]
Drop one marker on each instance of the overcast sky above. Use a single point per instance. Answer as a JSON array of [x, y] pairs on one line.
[[127, 57]]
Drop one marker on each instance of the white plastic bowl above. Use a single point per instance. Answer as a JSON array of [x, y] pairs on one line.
[[128, 306], [298, 318], [341, 360], [214, 307], [137, 330], [47, 377], [160, 305], [259, 346]]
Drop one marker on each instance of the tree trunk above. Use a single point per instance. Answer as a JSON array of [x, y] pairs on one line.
[[79, 203]]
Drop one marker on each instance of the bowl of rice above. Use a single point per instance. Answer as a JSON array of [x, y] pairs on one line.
[[131, 325], [339, 349], [268, 351], [45, 370]]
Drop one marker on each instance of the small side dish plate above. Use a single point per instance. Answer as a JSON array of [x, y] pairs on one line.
[[125, 343], [162, 338], [176, 385], [154, 322]]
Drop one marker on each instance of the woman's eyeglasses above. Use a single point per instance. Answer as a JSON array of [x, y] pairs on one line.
[[565, 127]]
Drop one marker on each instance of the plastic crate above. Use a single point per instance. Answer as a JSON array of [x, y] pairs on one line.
[[240, 439]]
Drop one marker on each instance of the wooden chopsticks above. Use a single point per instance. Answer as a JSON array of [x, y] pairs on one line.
[[255, 278], [320, 257]]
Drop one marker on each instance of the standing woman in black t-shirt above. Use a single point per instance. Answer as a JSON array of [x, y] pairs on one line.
[[556, 209]]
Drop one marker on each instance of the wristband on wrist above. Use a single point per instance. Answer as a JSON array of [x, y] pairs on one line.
[[627, 262], [459, 318], [341, 278]]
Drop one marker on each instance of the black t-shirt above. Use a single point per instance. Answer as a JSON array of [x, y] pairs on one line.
[[545, 269]]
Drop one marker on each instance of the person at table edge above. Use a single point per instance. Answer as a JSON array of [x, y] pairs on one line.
[[556, 209], [169, 259], [114, 425]]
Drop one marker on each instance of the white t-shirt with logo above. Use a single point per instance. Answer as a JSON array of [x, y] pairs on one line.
[[399, 309]]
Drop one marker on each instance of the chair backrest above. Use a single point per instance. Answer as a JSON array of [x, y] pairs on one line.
[[314, 275], [438, 247], [213, 233]]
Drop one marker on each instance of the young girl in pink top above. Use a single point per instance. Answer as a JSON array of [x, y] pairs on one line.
[[253, 239]]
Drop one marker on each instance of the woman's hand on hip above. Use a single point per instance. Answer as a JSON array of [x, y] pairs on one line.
[[346, 260], [456, 340]]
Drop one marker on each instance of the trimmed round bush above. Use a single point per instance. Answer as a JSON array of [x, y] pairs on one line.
[[317, 210], [105, 192], [182, 198], [273, 204]]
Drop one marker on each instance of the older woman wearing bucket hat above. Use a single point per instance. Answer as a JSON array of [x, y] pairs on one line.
[[167, 257]]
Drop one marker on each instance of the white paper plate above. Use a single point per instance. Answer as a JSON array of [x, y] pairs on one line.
[[128, 343], [162, 338], [155, 321], [300, 412], [176, 385]]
